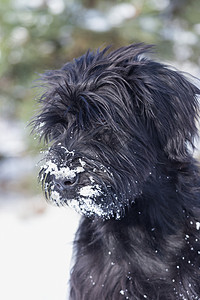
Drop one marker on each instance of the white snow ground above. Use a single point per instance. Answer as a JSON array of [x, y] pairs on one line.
[[35, 253]]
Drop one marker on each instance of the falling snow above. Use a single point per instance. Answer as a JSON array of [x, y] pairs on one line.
[[197, 225]]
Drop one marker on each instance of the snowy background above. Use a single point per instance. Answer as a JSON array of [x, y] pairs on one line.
[[35, 250], [36, 238]]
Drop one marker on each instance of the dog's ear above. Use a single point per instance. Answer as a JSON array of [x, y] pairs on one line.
[[168, 101]]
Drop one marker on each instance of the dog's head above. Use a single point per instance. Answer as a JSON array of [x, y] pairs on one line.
[[110, 118]]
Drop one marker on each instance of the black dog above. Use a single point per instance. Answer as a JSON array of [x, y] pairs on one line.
[[119, 127]]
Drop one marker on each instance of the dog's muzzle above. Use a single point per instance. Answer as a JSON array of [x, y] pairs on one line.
[[63, 184]]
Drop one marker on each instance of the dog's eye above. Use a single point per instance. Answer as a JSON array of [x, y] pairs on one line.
[[106, 137], [103, 138], [102, 121]]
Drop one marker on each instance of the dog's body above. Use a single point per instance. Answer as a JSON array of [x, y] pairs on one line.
[[119, 126]]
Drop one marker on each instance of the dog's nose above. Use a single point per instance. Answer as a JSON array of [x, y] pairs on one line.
[[65, 183]]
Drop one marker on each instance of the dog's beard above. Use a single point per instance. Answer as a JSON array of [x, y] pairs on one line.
[[88, 194]]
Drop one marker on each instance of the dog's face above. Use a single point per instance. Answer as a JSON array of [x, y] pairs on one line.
[[92, 170], [109, 119]]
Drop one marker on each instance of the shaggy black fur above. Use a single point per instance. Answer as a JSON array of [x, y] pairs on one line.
[[119, 126]]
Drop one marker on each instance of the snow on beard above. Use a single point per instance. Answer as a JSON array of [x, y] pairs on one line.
[[84, 202]]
